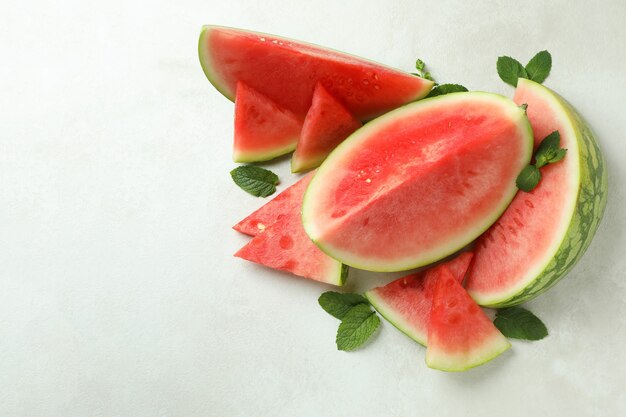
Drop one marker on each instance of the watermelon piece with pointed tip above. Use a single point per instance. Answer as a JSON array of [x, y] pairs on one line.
[[406, 302], [287, 71], [263, 129], [543, 233], [288, 201], [460, 335], [457, 154], [326, 125]]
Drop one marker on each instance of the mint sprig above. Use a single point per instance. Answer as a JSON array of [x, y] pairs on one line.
[[255, 180], [537, 69], [358, 321], [548, 152], [420, 66], [442, 89], [519, 323]]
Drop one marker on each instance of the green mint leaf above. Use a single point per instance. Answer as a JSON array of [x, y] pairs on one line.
[[510, 70], [549, 150], [255, 180], [357, 326], [538, 68], [420, 65], [428, 76], [338, 304], [528, 179], [446, 89], [519, 323]]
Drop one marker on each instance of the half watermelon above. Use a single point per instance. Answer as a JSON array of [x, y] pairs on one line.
[[545, 232], [418, 183], [406, 302]]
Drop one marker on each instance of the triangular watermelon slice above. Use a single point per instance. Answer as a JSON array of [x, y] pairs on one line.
[[406, 302], [288, 201], [263, 129], [460, 335], [328, 122]]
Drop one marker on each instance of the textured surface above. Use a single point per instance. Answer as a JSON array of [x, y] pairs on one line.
[[119, 293]]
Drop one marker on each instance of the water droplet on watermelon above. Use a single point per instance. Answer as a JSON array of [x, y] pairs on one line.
[[262, 39], [286, 242], [260, 226], [375, 76], [365, 81], [338, 213], [376, 86], [274, 41]]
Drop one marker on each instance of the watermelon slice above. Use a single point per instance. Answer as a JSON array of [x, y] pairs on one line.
[[326, 125], [406, 302], [545, 232], [460, 335], [287, 72], [263, 129], [283, 244], [418, 183], [288, 201]]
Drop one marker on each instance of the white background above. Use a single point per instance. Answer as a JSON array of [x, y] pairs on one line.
[[119, 295]]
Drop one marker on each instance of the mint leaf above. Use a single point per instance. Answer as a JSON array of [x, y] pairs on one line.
[[420, 65], [509, 70], [357, 326], [338, 304], [538, 68], [519, 323], [442, 89], [528, 179], [549, 150], [255, 180]]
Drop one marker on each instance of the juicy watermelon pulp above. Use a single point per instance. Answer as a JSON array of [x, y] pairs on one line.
[[460, 335], [326, 125], [280, 241], [406, 302], [543, 233], [458, 153]]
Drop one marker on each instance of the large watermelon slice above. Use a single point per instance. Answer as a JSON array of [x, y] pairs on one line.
[[406, 302], [283, 244], [326, 125], [285, 203], [543, 233], [418, 183], [263, 129], [460, 335], [287, 72]]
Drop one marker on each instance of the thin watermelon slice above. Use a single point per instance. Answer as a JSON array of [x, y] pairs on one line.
[[545, 232], [326, 125], [458, 154], [283, 244], [263, 129], [460, 335], [406, 302], [287, 71]]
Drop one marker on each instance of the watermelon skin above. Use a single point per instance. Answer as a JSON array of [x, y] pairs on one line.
[[406, 302], [460, 153], [263, 129], [282, 205], [326, 125], [287, 71], [460, 335], [512, 272]]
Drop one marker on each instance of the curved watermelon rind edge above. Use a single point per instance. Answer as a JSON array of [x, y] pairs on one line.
[[207, 67], [250, 157], [486, 356], [385, 311], [379, 267], [588, 210]]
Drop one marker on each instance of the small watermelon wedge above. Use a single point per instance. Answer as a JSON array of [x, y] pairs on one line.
[[326, 125], [263, 129], [460, 335], [406, 302], [288, 201], [287, 71]]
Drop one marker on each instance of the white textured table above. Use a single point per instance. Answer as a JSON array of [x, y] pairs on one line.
[[118, 292]]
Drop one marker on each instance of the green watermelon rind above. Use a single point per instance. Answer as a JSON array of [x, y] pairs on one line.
[[399, 112], [398, 322], [486, 354], [585, 217], [263, 156]]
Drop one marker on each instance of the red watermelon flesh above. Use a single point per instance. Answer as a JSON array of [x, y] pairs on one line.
[[326, 125], [460, 335], [263, 129], [287, 72], [406, 302], [288, 201]]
